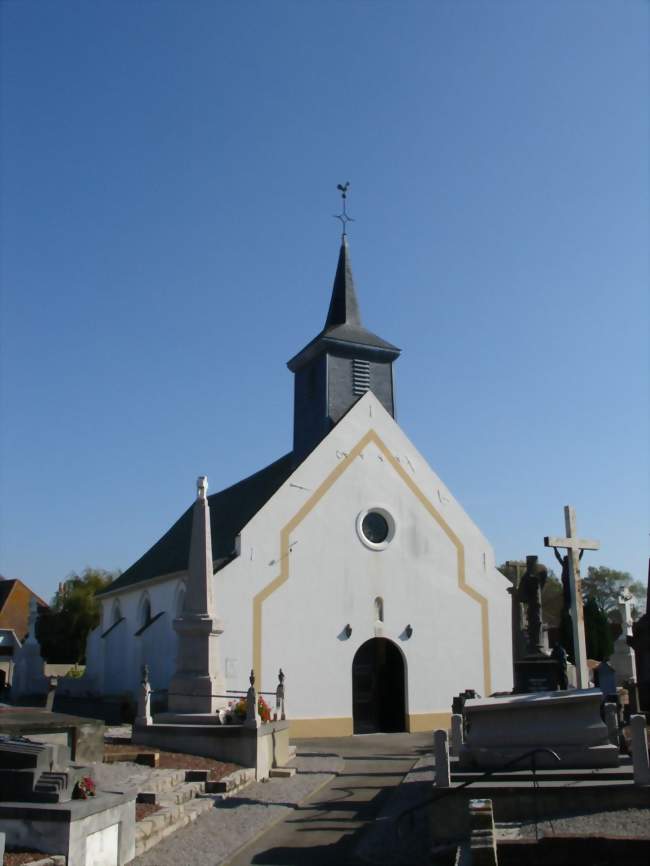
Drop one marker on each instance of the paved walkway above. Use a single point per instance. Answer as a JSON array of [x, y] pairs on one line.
[[314, 819]]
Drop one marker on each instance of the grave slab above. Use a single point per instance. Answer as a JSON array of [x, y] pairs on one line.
[[567, 722], [84, 737]]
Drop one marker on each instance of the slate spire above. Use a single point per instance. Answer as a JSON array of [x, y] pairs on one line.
[[344, 307], [338, 366]]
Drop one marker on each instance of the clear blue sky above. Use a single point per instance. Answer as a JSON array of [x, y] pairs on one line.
[[169, 176]]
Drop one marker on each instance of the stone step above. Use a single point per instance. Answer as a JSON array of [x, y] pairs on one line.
[[168, 820], [184, 796], [181, 794], [282, 772], [165, 780], [600, 776], [233, 782]]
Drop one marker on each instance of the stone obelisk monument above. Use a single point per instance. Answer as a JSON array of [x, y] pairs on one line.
[[198, 685]]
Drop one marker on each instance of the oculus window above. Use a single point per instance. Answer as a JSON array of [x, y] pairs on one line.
[[375, 528]]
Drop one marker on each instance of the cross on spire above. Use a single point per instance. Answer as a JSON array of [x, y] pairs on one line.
[[343, 216], [574, 546]]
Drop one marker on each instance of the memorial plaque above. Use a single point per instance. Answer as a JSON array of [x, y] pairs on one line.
[[102, 847], [537, 675]]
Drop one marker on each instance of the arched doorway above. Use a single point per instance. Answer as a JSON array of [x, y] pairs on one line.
[[378, 693]]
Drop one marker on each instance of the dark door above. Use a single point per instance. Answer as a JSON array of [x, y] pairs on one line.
[[378, 688]]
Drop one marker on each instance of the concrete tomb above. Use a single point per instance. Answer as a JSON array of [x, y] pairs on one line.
[[51, 805], [499, 730], [84, 737]]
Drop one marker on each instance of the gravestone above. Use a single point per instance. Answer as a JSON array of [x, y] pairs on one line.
[[515, 572], [28, 679], [623, 660], [50, 804], [606, 679], [536, 672]]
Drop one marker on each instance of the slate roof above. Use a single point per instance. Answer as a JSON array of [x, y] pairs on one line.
[[5, 588], [230, 511], [343, 323]]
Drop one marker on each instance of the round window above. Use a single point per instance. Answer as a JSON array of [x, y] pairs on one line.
[[375, 528]]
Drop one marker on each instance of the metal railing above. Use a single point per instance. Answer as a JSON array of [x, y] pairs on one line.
[[250, 696], [444, 792]]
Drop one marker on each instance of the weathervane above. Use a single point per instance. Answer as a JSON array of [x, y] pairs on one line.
[[343, 216]]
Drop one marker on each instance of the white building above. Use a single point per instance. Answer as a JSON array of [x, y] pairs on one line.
[[347, 562]]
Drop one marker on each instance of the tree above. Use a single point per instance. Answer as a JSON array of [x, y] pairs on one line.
[[62, 630], [604, 585], [600, 644]]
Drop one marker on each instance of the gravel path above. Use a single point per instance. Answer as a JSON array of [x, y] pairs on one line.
[[624, 822], [220, 832], [125, 774]]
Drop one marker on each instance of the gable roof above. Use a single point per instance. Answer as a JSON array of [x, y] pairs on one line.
[[15, 598], [8, 584], [230, 510]]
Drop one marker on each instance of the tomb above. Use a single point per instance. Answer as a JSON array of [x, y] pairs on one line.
[[50, 804], [567, 722]]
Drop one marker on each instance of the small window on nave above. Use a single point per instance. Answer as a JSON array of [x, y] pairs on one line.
[[145, 611], [379, 609], [180, 600]]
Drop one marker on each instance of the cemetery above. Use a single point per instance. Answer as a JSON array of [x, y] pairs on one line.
[[552, 734], [556, 745]]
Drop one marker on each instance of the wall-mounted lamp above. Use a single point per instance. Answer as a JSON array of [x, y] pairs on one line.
[[408, 631], [347, 631]]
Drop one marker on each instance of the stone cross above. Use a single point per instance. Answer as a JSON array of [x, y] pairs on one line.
[[32, 616], [574, 546], [625, 610]]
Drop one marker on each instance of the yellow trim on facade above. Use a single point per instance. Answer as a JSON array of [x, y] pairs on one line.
[[305, 729], [311, 728], [309, 505], [417, 722]]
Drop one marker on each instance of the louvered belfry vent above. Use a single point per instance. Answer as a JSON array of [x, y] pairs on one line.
[[339, 366], [360, 376]]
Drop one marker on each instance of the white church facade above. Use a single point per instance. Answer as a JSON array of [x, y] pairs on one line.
[[347, 563]]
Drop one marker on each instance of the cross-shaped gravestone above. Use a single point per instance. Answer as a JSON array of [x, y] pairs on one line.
[[573, 546], [625, 610]]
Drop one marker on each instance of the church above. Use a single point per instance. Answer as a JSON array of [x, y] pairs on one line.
[[347, 563]]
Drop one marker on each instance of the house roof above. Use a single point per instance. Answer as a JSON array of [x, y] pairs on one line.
[[230, 511], [6, 587]]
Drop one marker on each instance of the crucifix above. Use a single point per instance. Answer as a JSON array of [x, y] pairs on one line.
[[574, 547]]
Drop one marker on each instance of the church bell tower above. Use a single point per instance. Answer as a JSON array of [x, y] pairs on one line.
[[338, 366]]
